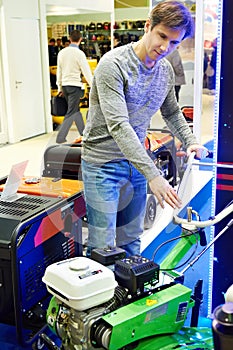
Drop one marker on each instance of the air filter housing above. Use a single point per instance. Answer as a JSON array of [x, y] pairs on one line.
[[135, 272]]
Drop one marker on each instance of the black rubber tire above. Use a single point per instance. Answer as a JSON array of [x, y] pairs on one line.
[[150, 212]]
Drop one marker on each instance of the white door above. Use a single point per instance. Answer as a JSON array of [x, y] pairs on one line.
[[3, 129], [26, 78]]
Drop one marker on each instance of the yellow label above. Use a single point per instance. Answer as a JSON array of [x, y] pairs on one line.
[[150, 302]]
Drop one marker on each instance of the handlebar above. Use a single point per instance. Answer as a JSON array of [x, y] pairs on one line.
[[194, 224]]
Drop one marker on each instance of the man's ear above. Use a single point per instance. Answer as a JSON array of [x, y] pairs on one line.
[[147, 25]]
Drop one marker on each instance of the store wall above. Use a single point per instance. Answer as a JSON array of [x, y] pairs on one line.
[[22, 69]]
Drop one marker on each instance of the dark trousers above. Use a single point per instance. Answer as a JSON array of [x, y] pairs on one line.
[[177, 91], [72, 95]]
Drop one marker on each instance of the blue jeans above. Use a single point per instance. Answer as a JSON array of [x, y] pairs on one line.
[[115, 195]]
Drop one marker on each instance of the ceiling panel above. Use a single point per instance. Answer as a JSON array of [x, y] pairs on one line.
[[131, 3]]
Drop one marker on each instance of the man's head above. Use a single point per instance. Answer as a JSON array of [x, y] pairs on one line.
[[116, 36], [169, 23], [59, 42], [116, 39], [67, 43], [52, 42], [75, 36], [174, 15]]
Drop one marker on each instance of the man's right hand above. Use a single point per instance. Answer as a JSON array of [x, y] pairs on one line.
[[164, 192]]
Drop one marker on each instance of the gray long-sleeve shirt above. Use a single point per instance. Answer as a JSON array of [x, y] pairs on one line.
[[124, 96]]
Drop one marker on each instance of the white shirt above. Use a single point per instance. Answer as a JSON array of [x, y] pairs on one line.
[[71, 63]]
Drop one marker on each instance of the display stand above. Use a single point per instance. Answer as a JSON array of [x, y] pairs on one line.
[[222, 267]]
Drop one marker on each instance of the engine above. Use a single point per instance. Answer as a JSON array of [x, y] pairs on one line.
[[84, 290], [81, 329]]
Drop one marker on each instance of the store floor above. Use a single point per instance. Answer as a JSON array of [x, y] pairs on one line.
[[31, 150]]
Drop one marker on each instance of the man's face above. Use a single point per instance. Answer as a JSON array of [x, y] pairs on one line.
[[161, 40]]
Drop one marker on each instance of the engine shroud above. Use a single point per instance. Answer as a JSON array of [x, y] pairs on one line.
[[80, 283]]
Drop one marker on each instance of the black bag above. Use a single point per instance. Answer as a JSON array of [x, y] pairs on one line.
[[59, 105], [63, 161]]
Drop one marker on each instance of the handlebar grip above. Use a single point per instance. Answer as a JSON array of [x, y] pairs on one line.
[[202, 235], [210, 155]]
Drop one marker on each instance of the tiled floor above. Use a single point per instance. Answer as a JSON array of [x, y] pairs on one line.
[[31, 150]]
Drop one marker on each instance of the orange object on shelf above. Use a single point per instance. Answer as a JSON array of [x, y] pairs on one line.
[[154, 140], [46, 186], [187, 112]]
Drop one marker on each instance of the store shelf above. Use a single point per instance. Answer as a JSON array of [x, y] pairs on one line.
[[97, 36]]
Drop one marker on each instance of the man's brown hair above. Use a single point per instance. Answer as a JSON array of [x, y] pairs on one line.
[[174, 15], [75, 36]]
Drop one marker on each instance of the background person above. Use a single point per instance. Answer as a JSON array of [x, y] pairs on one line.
[[67, 43], [130, 84], [177, 65], [205, 65], [52, 52], [59, 45], [116, 40], [213, 59], [71, 63]]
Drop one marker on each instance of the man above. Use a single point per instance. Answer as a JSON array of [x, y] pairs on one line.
[[52, 62], [52, 52], [59, 45], [130, 84], [212, 79], [71, 63]]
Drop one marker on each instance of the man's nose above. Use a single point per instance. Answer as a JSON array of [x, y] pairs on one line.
[[164, 47]]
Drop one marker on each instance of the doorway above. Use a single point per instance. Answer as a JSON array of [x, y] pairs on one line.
[[3, 127], [26, 76]]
